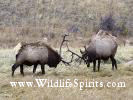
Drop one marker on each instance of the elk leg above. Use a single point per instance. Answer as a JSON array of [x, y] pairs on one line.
[[34, 69], [113, 62], [99, 61], [14, 68], [94, 65], [21, 70], [43, 69]]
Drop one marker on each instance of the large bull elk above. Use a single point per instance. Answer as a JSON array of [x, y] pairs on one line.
[[38, 54], [102, 47]]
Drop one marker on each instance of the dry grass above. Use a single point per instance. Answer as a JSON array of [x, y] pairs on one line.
[[124, 73]]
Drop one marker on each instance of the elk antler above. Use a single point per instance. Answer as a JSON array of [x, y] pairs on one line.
[[66, 63], [64, 40], [81, 51], [85, 48], [73, 53]]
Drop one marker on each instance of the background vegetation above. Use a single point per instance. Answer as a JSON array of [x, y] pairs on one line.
[[32, 20]]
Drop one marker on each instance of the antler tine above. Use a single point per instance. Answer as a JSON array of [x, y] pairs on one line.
[[73, 52], [68, 50], [64, 37], [64, 40], [85, 48], [67, 63]]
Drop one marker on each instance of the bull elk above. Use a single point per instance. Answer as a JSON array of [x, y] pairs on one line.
[[102, 46], [38, 53]]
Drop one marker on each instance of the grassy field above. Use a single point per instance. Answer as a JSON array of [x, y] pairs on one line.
[[75, 71]]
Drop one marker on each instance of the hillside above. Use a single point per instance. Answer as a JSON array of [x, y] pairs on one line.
[[50, 18]]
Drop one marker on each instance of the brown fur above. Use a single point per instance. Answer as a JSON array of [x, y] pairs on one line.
[[34, 54], [101, 47]]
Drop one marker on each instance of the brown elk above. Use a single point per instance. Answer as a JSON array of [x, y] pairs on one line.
[[38, 53], [102, 46]]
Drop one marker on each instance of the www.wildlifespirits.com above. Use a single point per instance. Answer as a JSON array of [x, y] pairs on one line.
[[68, 83]]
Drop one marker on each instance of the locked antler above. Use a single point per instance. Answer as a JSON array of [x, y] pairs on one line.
[[73, 53], [66, 63], [64, 40]]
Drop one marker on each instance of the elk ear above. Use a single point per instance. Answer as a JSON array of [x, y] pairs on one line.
[[81, 51]]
